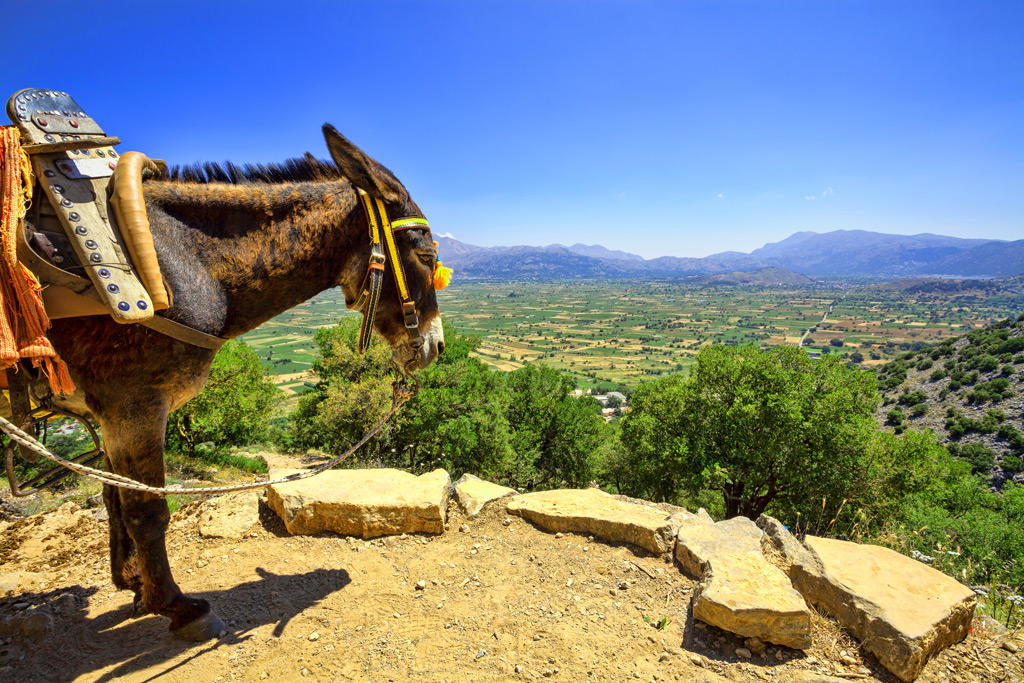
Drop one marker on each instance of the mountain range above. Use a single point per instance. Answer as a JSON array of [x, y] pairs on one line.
[[841, 253]]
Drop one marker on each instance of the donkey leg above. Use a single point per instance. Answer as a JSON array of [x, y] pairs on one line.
[[137, 452], [146, 517], [124, 570]]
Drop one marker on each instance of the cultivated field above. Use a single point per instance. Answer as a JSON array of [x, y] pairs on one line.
[[626, 331]]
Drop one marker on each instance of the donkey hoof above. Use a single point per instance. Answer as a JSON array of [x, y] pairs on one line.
[[204, 628], [138, 608]]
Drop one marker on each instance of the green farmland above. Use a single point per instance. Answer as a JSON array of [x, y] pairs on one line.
[[625, 331]]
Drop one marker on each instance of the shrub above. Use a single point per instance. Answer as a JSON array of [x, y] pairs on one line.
[[981, 458]]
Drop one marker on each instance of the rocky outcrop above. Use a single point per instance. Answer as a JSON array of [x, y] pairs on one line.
[[592, 511], [739, 590], [901, 610], [474, 493], [230, 516], [364, 503]]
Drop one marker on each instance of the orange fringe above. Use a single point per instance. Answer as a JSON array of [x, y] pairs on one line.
[[23, 320]]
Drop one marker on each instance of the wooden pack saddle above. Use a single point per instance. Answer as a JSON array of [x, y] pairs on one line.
[[86, 236]]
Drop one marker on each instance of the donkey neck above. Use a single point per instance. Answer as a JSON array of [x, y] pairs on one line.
[[266, 247]]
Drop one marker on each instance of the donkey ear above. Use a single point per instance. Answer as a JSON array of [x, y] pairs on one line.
[[364, 172]]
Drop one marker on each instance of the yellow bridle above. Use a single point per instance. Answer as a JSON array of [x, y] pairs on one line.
[[380, 250]]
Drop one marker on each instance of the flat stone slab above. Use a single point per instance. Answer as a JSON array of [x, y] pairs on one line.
[[902, 610], [230, 516], [474, 493], [13, 581], [739, 590], [365, 503], [595, 512]]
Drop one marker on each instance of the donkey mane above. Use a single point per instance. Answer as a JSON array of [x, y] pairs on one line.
[[305, 169]]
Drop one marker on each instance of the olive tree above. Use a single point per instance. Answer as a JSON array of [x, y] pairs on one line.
[[754, 425]]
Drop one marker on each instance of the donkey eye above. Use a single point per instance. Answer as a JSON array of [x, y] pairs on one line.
[[428, 259]]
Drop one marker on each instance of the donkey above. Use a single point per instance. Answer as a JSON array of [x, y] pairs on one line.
[[237, 246]]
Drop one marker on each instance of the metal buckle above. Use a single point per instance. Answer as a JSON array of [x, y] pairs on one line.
[[412, 320]]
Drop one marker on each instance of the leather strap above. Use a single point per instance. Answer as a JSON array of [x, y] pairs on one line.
[[184, 333], [369, 295]]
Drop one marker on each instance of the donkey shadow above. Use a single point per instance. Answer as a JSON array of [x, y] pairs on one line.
[[79, 645]]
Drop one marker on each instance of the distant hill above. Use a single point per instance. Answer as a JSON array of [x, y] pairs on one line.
[[841, 253], [970, 391], [763, 277], [946, 286], [597, 251], [988, 259], [860, 252]]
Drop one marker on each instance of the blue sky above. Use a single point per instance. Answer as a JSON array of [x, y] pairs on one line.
[[660, 128]]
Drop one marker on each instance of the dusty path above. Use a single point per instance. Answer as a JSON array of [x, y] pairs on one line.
[[503, 601], [824, 318]]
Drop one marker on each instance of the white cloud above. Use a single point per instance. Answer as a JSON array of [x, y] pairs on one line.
[[828, 192], [446, 234], [810, 198], [721, 196]]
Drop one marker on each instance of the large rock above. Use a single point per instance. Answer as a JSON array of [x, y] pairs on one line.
[[739, 590], [902, 611], [593, 511], [230, 516], [794, 554], [474, 493], [364, 503]]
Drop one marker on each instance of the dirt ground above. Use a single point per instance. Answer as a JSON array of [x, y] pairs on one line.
[[501, 600]]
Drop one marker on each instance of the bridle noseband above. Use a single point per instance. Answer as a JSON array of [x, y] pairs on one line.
[[369, 294]]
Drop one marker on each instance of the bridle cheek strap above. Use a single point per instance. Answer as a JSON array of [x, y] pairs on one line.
[[380, 250]]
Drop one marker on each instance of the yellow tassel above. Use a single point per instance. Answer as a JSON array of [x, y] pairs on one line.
[[442, 276]]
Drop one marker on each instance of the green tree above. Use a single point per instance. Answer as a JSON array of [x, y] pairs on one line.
[[553, 433], [234, 407], [756, 426], [656, 445], [457, 421], [353, 392]]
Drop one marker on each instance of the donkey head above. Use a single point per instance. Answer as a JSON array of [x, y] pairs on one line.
[[416, 249]]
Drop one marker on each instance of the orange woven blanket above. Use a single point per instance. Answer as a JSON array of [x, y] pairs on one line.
[[23, 321]]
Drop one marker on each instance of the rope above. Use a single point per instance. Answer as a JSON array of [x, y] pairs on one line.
[[111, 479]]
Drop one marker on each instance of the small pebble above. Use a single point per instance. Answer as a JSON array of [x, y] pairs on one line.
[[421, 585], [480, 654], [559, 535], [743, 652], [464, 528], [314, 636], [1010, 646]]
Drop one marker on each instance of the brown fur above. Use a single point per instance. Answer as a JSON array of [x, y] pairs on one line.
[[234, 255]]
